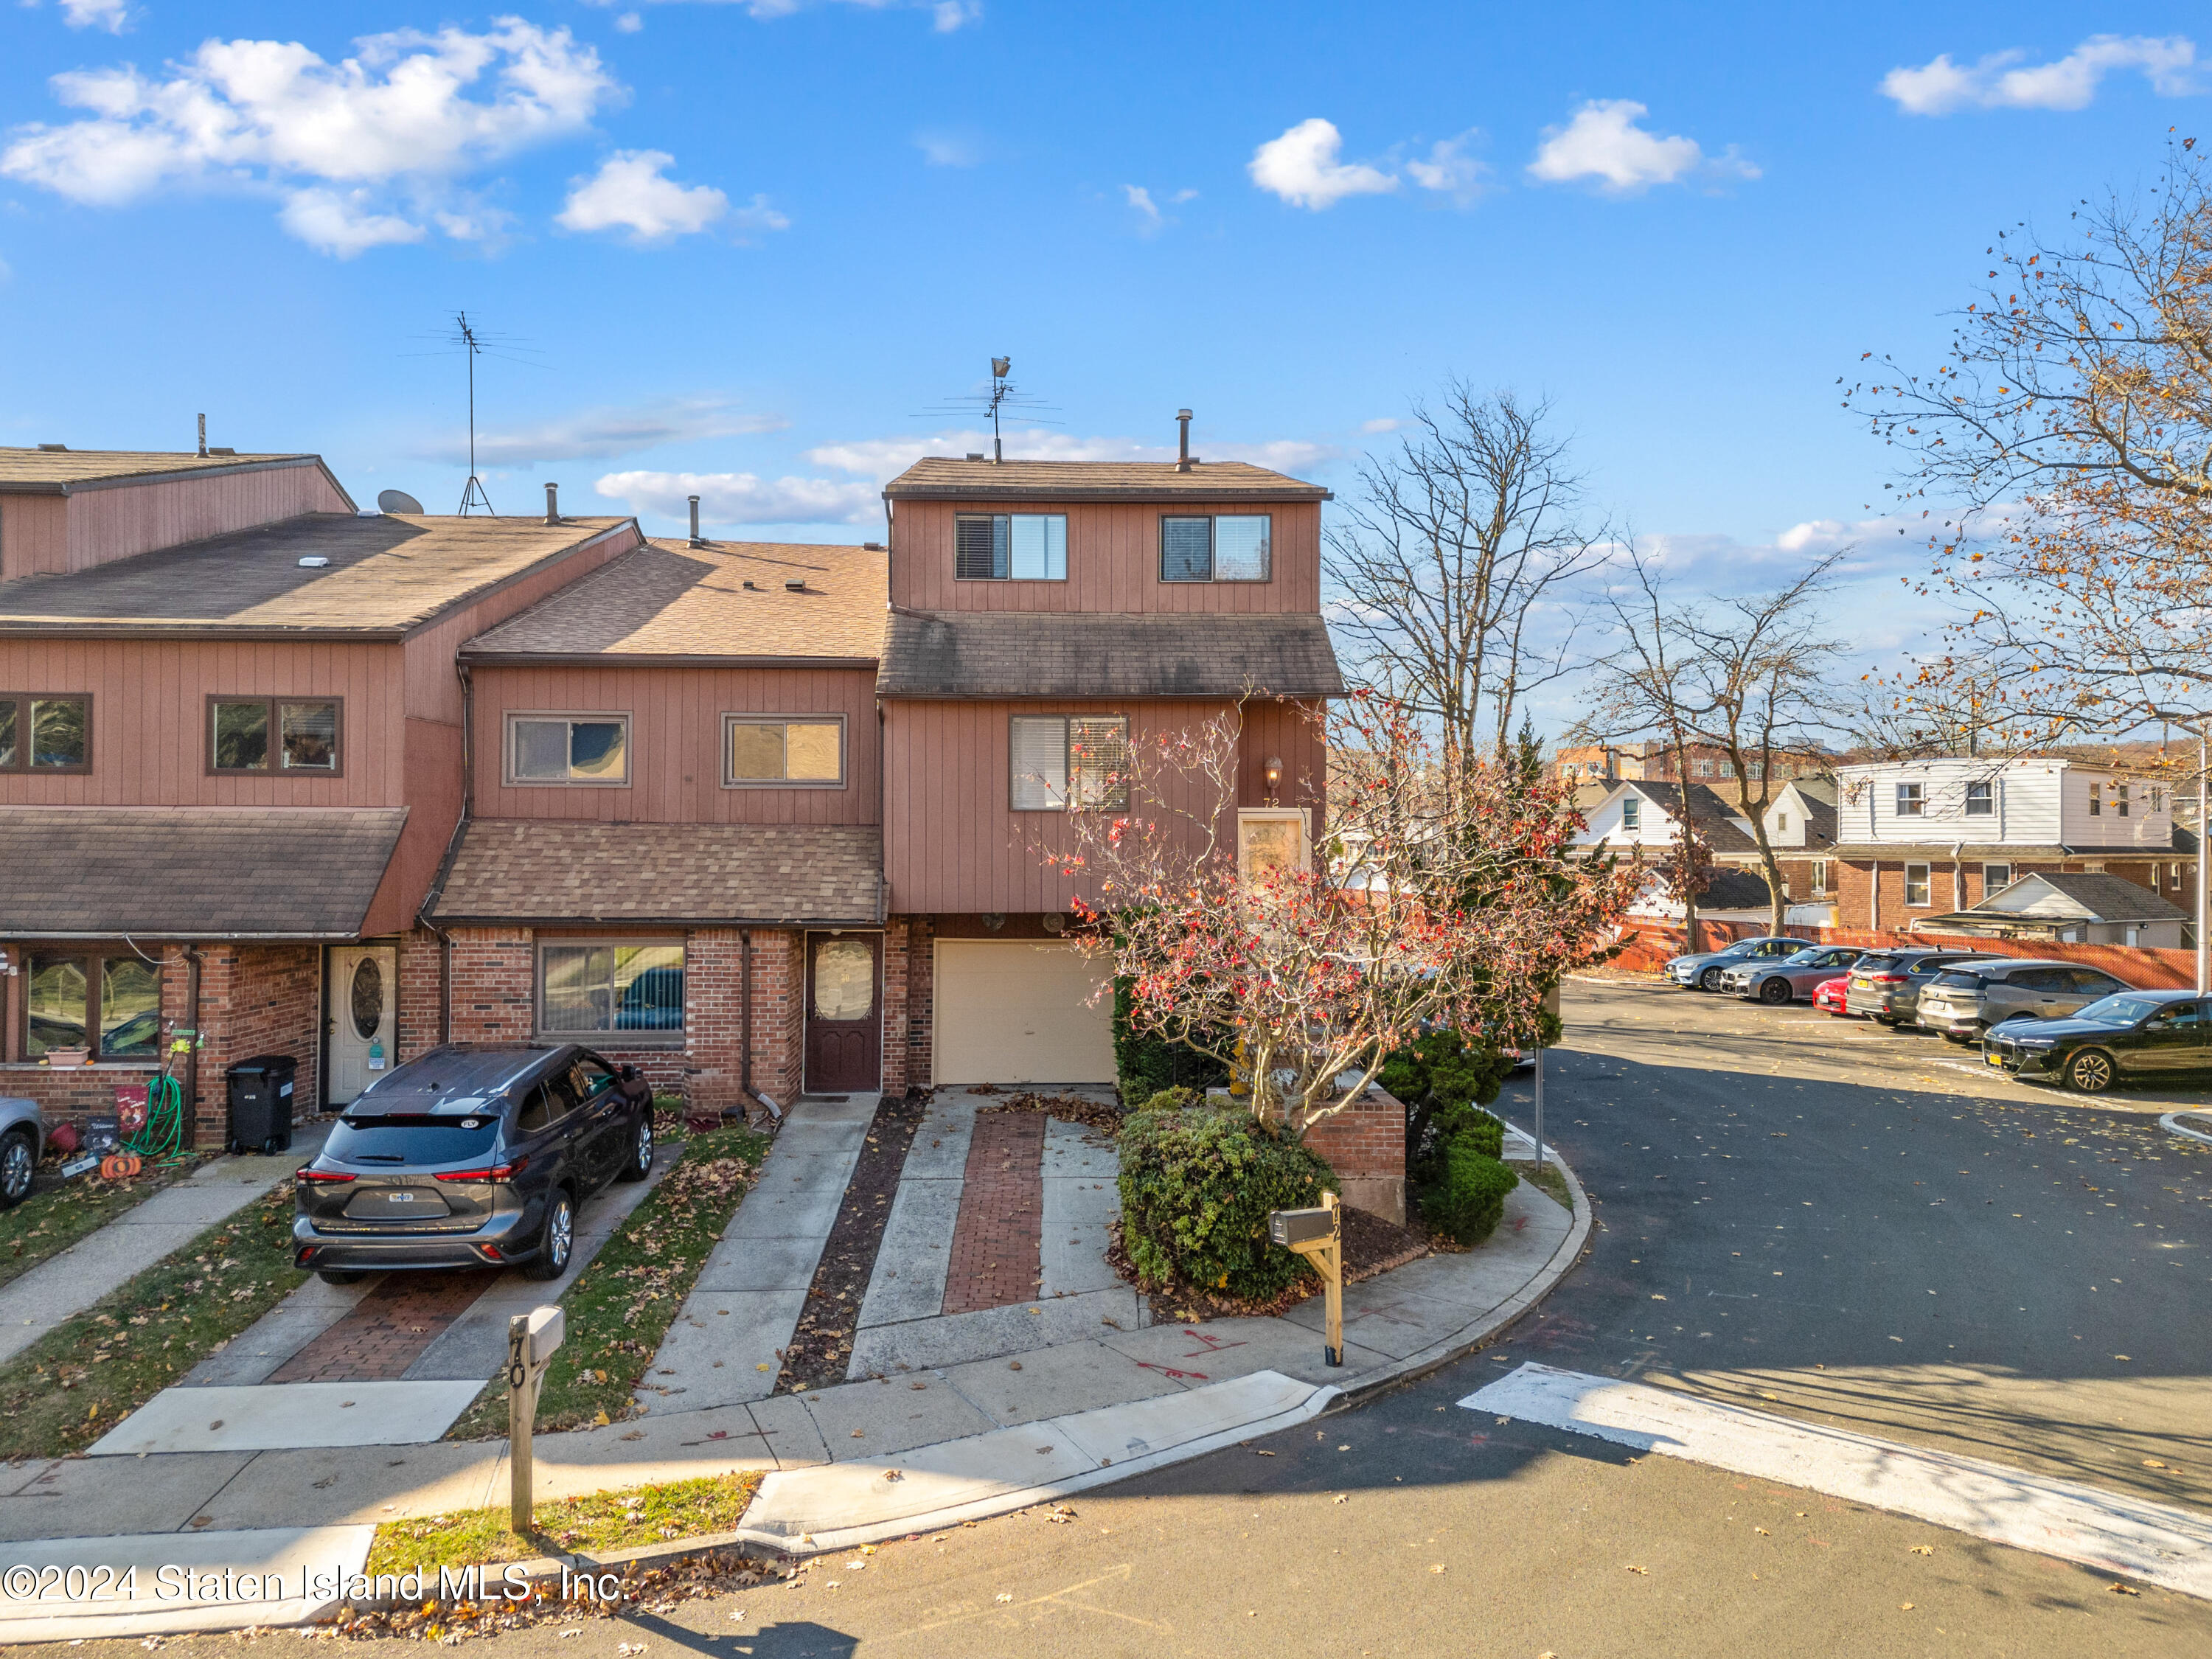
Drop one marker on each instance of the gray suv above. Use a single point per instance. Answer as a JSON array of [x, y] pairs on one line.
[[1886, 985], [1967, 999], [22, 1142]]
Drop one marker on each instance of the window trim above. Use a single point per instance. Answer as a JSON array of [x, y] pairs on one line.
[[1631, 815], [733, 717], [1068, 803], [23, 767], [1160, 563], [1986, 805], [1298, 815], [94, 958], [274, 703], [2011, 876], [1009, 576], [680, 1038], [1917, 799], [511, 716], [1817, 878], [1927, 899]]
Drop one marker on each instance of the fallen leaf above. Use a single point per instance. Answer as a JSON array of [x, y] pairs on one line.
[[762, 1366], [1437, 1567], [1013, 1364], [1339, 1499], [1264, 1454], [2123, 1590], [1924, 1549], [635, 1434], [1646, 1571], [1905, 1606], [2153, 1463], [1004, 1595]]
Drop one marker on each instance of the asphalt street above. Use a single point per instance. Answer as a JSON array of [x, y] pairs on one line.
[[1807, 1216]]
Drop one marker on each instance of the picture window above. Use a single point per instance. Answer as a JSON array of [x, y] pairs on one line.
[[633, 991], [274, 734], [1063, 763], [1223, 547], [45, 734], [111, 1006], [567, 749]]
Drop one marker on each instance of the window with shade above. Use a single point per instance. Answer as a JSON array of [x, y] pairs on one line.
[[1221, 547], [262, 735], [773, 751], [1069, 763], [1017, 547], [108, 1006], [585, 750], [620, 992], [45, 734], [1916, 886]]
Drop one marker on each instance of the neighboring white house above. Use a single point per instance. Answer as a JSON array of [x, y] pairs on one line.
[[1642, 818], [1636, 814], [2071, 910]]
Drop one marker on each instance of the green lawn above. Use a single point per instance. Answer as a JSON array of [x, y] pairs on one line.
[[622, 1305], [72, 1385], [604, 1520], [1551, 1181], [52, 1218]]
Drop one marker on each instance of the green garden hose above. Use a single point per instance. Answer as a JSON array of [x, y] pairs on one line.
[[164, 1119]]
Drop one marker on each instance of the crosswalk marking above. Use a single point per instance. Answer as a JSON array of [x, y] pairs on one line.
[[2154, 1542]]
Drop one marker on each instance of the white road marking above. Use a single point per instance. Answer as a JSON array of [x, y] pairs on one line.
[[2111, 1531]]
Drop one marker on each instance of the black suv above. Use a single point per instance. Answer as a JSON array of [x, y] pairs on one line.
[[471, 1156]]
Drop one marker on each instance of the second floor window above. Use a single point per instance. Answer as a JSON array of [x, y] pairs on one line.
[[1705, 768], [273, 734], [1224, 547], [44, 735], [1982, 799], [761, 748], [2096, 800], [1910, 802], [1631, 813], [2121, 793], [1063, 763], [581, 748], [1020, 547]]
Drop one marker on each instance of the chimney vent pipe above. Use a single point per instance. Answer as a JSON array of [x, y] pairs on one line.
[[1182, 448], [696, 542], [552, 503], [202, 434]]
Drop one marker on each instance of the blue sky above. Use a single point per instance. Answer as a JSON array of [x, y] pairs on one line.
[[750, 248]]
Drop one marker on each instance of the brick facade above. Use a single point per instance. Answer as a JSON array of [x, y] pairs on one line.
[[1856, 886], [1365, 1145]]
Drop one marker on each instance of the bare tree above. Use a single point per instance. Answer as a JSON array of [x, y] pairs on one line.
[[1457, 558]]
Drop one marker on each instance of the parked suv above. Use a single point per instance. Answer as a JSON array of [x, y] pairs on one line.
[[1795, 976], [23, 1143], [1705, 970], [470, 1156], [2149, 1036], [1967, 999], [1886, 985]]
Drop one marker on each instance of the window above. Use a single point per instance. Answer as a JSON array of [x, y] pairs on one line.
[[1916, 885], [758, 749], [1909, 801], [1819, 877], [1224, 548], [2157, 799], [2121, 792], [587, 749], [1982, 799], [1754, 769], [1995, 876], [602, 988], [109, 1004], [2087, 981], [1061, 762], [2096, 800], [44, 735], [1705, 768], [1727, 768], [1631, 813], [1270, 839], [273, 734], [1781, 824], [1022, 547]]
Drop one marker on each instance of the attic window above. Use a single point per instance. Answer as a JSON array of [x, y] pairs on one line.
[[1631, 813]]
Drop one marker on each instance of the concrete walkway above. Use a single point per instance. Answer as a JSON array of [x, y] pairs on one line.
[[68, 1284]]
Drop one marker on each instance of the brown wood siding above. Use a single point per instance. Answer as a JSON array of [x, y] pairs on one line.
[[34, 536], [127, 518], [1113, 561], [676, 736], [149, 702], [432, 777], [953, 841]]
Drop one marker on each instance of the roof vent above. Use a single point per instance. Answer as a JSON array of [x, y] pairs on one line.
[[1183, 457], [221, 449], [694, 541], [749, 583], [796, 585], [314, 562], [973, 455], [552, 503], [52, 448], [871, 546]]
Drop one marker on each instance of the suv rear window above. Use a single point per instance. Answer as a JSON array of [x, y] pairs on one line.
[[396, 1140], [1878, 964], [1959, 979]]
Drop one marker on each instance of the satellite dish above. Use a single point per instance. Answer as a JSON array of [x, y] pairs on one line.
[[397, 500]]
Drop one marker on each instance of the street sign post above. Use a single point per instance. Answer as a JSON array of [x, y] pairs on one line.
[[1317, 1234], [531, 1341]]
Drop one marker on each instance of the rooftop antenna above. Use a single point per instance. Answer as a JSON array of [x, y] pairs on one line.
[[1000, 367], [1003, 395], [472, 493]]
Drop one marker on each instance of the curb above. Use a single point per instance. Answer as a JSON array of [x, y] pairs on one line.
[[2170, 1122]]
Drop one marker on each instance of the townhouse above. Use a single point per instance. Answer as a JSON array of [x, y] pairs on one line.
[[761, 820]]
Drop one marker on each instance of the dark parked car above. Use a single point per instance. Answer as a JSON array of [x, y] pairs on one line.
[[2137, 1036], [1795, 976], [1704, 970], [1886, 985], [470, 1156], [1968, 998]]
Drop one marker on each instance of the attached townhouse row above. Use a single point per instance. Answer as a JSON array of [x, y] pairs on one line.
[[761, 820]]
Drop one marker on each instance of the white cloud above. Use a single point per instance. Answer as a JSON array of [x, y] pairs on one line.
[[630, 191], [1385, 424], [941, 149], [1148, 211], [1301, 167], [2003, 80], [630, 22], [347, 145], [602, 433], [883, 458], [1602, 142], [734, 498], [944, 16], [109, 14], [1448, 168]]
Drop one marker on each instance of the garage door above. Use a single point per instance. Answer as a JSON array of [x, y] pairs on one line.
[[1014, 1010]]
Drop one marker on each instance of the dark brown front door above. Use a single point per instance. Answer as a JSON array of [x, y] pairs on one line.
[[844, 1023]]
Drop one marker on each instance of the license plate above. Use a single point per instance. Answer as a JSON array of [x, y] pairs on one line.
[[400, 1204], [1994, 1060]]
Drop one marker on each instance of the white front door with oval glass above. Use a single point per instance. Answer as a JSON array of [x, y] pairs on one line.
[[364, 1016]]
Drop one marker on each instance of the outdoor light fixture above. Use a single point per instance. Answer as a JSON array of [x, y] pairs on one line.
[[1274, 774]]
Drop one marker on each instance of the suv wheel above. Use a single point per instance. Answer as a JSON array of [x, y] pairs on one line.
[[19, 1161], [1710, 980], [557, 1238], [338, 1276], [1776, 992], [638, 1163], [2090, 1071]]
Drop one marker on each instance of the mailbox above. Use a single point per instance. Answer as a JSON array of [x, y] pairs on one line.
[[532, 1341], [1316, 1234], [1291, 1228], [532, 1338]]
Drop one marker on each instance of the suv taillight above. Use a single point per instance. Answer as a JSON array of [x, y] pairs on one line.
[[494, 1172], [319, 1177], [1887, 979]]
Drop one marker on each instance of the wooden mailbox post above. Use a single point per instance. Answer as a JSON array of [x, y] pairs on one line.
[[1318, 1235], [531, 1341]]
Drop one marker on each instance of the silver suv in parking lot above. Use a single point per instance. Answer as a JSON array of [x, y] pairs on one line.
[[1967, 998], [1886, 985]]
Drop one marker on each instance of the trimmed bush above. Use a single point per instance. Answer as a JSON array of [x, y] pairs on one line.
[[1444, 1083], [1198, 1180], [1467, 1197]]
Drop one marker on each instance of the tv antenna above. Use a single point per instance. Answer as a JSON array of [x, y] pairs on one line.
[[1003, 395], [472, 493]]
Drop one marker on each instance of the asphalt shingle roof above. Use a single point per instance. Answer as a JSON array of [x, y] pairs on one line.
[[2102, 897], [707, 874], [1708, 810], [1029, 654], [192, 872], [669, 600], [53, 471], [946, 478]]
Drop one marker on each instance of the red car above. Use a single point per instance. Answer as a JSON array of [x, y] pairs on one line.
[[1828, 997]]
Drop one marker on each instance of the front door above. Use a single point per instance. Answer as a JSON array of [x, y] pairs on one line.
[[364, 1016], [844, 1020]]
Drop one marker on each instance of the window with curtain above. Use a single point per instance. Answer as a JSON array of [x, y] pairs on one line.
[[760, 748], [1063, 763], [579, 749], [1021, 547], [604, 988]]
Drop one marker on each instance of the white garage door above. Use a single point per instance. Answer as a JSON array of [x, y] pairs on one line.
[[1014, 1010]]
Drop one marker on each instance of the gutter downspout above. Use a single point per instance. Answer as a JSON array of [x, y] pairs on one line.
[[192, 1055]]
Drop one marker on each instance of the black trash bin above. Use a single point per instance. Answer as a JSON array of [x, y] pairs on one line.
[[261, 1103]]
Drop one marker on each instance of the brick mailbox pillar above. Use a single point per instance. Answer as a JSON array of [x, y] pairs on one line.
[[1365, 1145]]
